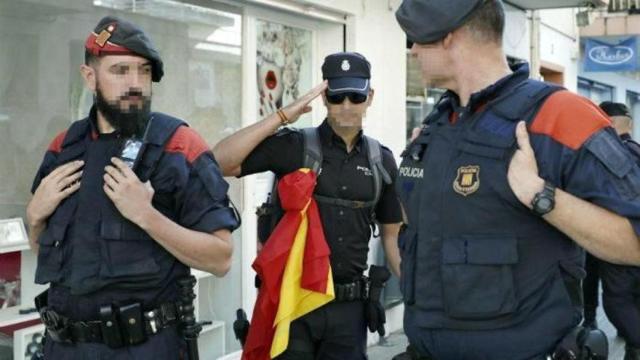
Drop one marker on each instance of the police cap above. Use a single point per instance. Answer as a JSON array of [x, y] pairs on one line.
[[347, 72], [428, 21], [615, 109], [114, 36]]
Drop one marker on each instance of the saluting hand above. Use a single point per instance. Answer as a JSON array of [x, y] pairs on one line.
[[55, 187], [301, 105], [130, 196], [523, 170]]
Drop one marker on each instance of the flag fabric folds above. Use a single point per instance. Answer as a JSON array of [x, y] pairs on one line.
[[294, 269]]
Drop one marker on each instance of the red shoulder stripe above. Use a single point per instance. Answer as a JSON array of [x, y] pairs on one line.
[[56, 144], [569, 119], [187, 142]]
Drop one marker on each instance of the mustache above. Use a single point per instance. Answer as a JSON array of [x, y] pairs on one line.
[[132, 93]]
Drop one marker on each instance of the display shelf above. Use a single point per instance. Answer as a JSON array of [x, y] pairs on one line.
[[10, 316], [211, 343], [27, 341]]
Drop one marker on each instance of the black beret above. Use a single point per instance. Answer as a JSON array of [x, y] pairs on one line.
[[615, 109], [113, 36], [428, 21]]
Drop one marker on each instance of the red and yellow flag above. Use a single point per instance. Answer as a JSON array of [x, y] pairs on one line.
[[294, 269]]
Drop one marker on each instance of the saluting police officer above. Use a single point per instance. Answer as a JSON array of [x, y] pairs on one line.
[[338, 329], [112, 240], [506, 182]]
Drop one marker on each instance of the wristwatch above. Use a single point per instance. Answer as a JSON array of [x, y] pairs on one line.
[[545, 200]]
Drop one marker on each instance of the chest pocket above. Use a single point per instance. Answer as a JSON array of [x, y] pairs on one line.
[[471, 262], [51, 243], [127, 251], [489, 155]]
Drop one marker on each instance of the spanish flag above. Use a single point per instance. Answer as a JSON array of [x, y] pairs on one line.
[[294, 269]]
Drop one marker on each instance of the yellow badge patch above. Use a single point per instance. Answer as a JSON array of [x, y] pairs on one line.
[[103, 37], [468, 180]]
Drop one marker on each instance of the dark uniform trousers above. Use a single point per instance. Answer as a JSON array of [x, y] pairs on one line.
[[621, 299], [167, 344], [336, 331]]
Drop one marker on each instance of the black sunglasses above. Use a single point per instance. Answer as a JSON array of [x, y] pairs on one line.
[[355, 98]]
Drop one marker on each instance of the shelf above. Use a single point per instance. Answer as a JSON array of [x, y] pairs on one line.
[[14, 248], [213, 326], [10, 316]]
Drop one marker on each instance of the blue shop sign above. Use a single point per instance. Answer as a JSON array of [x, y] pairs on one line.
[[603, 56]]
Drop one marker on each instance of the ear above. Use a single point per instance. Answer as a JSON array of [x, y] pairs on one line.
[[370, 97], [89, 75], [324, 99], [448, 40]]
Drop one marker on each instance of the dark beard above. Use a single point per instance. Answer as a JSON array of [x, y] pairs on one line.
[[130, 123]]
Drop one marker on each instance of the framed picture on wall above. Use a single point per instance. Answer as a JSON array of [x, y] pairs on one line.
[[13, 235]]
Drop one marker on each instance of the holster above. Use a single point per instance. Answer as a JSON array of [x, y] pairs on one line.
[[582, 344], [241, 326]]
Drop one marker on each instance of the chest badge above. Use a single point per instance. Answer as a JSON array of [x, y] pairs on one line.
[[468, 180]]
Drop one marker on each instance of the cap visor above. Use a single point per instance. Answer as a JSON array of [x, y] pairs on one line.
[[348, 84]]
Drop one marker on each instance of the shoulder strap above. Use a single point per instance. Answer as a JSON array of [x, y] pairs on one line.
[[634, 148], [312, 149], [161, 128], [75, 141], [377, 167], [439, 107], [523, 101], [380, 175]]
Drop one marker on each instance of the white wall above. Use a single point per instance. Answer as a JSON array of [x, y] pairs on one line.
[[517, 33], [559, 43]]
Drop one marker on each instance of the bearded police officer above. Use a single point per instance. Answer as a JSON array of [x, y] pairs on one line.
[[113, 241], [508, 180], [344, 192]]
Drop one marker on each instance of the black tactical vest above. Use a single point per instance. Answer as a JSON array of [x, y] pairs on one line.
[[88, 244], [474, 257]]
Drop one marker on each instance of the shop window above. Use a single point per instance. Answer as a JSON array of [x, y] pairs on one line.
[[41, 93], [596, 91], [633, 102], [420, 100]]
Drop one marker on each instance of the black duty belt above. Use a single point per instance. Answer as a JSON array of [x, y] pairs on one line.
[[357, 290], [118, 326]]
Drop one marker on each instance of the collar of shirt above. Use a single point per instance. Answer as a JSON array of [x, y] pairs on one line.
[[478, 99], [330, 138], [625, 137]]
